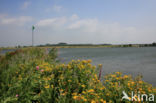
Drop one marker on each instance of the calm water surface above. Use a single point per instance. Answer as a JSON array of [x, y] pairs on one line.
[[132, 61], [6, 50]]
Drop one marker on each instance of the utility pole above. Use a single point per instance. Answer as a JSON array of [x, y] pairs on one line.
[[33, 27]]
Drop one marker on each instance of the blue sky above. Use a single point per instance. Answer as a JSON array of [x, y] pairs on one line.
[[77, 21]]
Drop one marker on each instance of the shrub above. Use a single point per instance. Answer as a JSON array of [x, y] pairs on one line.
[[32, 76]]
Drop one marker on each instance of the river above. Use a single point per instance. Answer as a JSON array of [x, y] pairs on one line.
[[134, 61]]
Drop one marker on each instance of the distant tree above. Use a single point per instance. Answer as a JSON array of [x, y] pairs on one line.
[[130, 45], [61, 43], [153, 44], [18, 46], [125, 45], [145, 45], [48, 44]]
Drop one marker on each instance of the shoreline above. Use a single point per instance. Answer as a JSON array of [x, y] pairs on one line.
[[82, 46]]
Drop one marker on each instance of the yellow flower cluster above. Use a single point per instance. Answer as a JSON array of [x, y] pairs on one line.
[[78, 81]]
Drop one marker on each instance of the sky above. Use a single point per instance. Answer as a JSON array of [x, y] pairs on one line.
[[77, 21]]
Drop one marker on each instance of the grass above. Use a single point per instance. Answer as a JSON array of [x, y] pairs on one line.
[[89, 46], [32, 75]]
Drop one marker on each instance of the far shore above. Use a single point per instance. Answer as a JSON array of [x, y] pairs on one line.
[[83, 46]]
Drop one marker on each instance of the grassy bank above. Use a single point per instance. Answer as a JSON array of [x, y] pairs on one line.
[[32, 75], [89, 46]]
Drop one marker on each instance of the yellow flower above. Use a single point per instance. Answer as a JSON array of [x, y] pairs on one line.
[[100, 65], [47, 86], [76, 97], [89, 60], [103, 101], [93, 101], [107, 94], [69, 66], [110, 101], [83, 86], [48, 69], [132, 83], [102, 88], [106, 80], [45, 64], [63, 65], [61, 77], [125, 76], [84, 61], [63, 94], [143, 92], [140, 89], [154, 89], [83, 98], [119, 73], [83, 92], [91, 90], [61, 90], [117, 78], [78, 60], [149, 89], [89, 65], [81, 66], [74, 94], [113, 76], [69, 80], [52, 86], [95, 76], [140, 82], [94, 67]]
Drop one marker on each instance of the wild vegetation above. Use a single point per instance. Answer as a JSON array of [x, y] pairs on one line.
[[33, 75]]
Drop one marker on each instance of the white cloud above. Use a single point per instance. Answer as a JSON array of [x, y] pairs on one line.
[[5, 20], [3, 15], [91, 30], [57, 8], [84, 25], [54, 8], [52, 22], [74, 17], [88, 25], [26, 4]]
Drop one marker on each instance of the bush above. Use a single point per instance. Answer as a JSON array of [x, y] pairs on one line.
[[32, 76]]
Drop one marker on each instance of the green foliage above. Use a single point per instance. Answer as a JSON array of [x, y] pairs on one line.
[[53, 53], [32, 76]]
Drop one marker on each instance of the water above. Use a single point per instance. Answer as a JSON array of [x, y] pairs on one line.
[[6, 50], [132, 61]]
